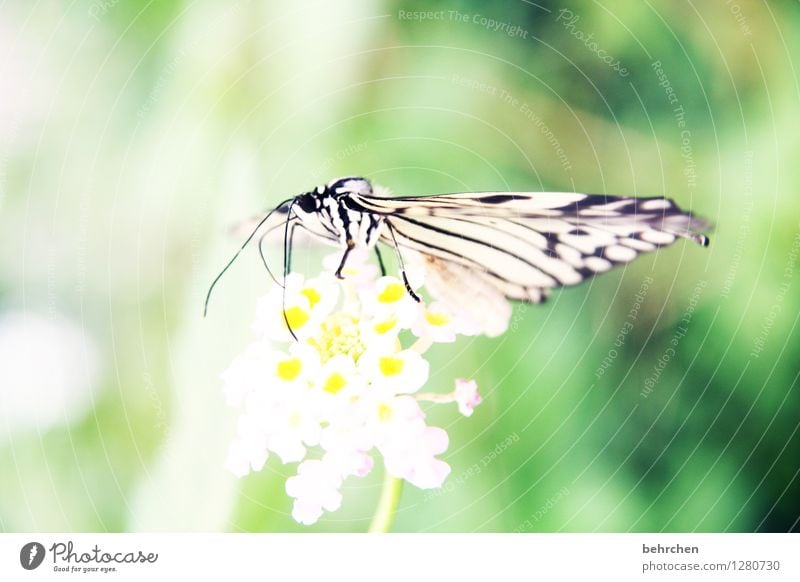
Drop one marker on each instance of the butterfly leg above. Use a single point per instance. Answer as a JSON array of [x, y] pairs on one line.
[[414, 296], [350, 246], [380, 261]]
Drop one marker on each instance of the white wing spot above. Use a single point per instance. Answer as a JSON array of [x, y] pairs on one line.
[[599, 212], [620, 254], [615, 205], [637, 244], [569, 254], [655, 205], [588, 243], [597, 264], [658, 237], [563, 272]]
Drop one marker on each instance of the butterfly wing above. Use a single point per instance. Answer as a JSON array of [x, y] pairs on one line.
[[524, 244]]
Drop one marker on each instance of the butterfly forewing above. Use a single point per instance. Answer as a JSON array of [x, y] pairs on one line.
[[527, 243]]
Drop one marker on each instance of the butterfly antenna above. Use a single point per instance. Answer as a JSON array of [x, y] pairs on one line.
[[287, 263], [414, 296], [246, 242]]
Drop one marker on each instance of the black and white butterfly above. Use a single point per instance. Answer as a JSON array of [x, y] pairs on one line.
[[481, 248]]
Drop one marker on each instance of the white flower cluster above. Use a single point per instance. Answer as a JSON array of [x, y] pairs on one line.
[[345, 388]]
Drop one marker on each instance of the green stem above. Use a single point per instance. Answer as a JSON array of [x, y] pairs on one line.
[[387, 505]]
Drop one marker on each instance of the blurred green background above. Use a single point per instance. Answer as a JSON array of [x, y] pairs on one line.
[[134, 134]]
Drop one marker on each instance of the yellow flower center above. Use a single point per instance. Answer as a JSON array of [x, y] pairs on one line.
[[391, 293], [297, 317], [334, 383], [384, 412], [385, 326], [390, 366], [437, 319], [290, 369], [339, 335], [312, 295]]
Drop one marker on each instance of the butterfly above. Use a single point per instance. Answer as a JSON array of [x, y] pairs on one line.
[[480, 249]]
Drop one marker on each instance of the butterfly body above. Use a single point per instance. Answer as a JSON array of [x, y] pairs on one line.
[[329, 212]]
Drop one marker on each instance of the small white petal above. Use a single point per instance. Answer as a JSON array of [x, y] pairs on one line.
[[305, 512], [390, 298], [467, 396], [315, 487], [288, 448], [438, 323], [428, 474], [402, 372]]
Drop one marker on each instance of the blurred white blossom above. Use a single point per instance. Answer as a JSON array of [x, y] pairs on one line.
[[346, 389], [48, 369]]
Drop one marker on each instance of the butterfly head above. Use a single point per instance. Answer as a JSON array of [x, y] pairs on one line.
[[313, 201], [309, 201]]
